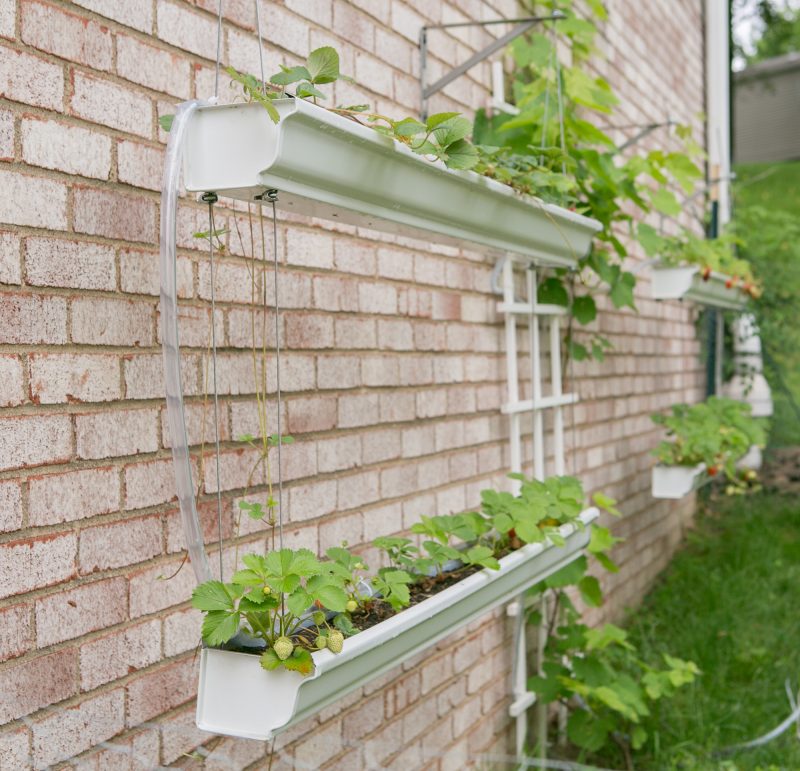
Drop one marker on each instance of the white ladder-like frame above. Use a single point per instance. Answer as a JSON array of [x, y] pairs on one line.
[[515, 408]]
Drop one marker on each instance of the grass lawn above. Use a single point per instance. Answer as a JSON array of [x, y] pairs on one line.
[[776, 187], [730, 601]]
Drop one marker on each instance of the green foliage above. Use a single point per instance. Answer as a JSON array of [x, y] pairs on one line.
[[767, 202], [270, 599], [597, 672], [727, 602], [716, 432], [778, 26]]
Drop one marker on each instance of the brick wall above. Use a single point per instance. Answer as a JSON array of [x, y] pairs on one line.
[[393, 378]]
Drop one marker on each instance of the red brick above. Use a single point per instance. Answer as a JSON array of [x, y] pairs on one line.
[[73, 729], [12, 391], [377, 298], [311, 500], [66, 148], [179, 735], [153, 67], [308, 330], [358, 410], [37, 682], [185, 29], [313, 250], [338, 372], [148, 484], [339, 453], [352, 257], [24, 197], [101, 101], [110, 214], [7, 134], [70, 614], [75, 495], [69, 378], [118, 433], [332, 293], [144, 376], [15, 744], [137, 14], [119, 654], [150, 592], [138, 273], [120, 544], [182, 631], [74, 264], [33, 319], [162, 689], [10, 262], [8, 30], [16, 632], [31, 80], [31, 440], [355, 490], [10, 506], [140, 165], [315, 413], [66, 35], [355, 333], [112, 322]]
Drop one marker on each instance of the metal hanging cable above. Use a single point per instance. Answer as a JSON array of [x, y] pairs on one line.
[[211, 199], [260, 47], [219, 49], [272, 197]]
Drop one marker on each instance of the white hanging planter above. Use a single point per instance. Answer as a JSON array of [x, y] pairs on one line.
[[687, 283], [325, 165], [752, 459], [678, 481], [238, 698]]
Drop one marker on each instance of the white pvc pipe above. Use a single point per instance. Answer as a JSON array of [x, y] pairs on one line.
[[176, 419]]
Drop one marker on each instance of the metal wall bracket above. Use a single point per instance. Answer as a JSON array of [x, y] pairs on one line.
[[521, 27]]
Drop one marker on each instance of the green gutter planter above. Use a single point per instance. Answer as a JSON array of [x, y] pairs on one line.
[[678, 481], [239, 698], [328, 166], [687, 283]]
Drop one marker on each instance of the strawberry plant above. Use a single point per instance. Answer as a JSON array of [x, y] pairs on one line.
[[271, 600], [717, 432]]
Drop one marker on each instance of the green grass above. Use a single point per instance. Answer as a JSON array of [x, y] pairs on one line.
[[730, 601], [775, 187]]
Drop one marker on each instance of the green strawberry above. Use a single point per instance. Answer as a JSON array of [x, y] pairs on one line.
[[351, 606], [283, 648], [321, 642], [335, 641]]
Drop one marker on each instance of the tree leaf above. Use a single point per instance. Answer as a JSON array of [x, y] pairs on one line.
[[587, 731], [584, 309], [589, 587], [408, 127], [300, 661], [552, 292], [212, 595], [607, 504], [665, 202], [569, 575], [601, 540], [165, 121], [323, 65], [438, 118], [219, 626], [461, 155], [290, 75]]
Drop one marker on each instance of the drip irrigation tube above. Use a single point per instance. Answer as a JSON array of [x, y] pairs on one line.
[[176, 418]]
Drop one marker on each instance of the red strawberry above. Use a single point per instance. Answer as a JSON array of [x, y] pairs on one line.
[[706, 273], [712, 471]]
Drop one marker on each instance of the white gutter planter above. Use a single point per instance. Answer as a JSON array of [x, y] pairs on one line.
[[687, 283], [325, 165], [238, 698], [752, 459], [678, 481]]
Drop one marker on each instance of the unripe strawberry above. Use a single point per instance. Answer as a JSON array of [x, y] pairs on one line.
[[283, 648], [360, 566], [750, 475], [321, 642], [351, 606], [267, 590], [318, 617], [335, 641]]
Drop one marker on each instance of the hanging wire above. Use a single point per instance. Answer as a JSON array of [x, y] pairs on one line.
[[211, 199], [219, 49], [562, 135], [272, 196], [260, 47]]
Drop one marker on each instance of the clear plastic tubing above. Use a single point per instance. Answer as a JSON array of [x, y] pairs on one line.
[[176, 418]]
